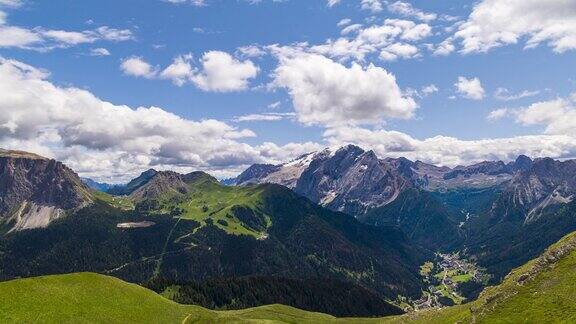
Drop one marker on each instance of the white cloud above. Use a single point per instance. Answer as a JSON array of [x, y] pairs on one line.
[[3, 16], [11, 3], [196, 3], [180, 71], [398, 50], [217, 71], [498, 114], [373, 5], [284, 153], [99, 52], [344, 22], [505, 94], [112, 34], [104, 140], [274, 105], [451, 151], [11, 36], [444, 48], [263, 117], [429, 89], [351, 29], [136, 66], [470, 88], [495, 23], [328, 93], [558, 116], [67, 37], [44, 39], [406, 9], [223, 73], [374, 39], [251, 51], [332, 3], [74, 38]]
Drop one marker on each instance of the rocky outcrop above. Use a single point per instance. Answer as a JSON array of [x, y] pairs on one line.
[[349, 179], [545, 183], [133, 185], [35, 190], [166, 182], [355, 181]]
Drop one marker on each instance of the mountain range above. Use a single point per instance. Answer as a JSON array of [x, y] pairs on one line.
[[171, 223], [520, 207], [342, 219]]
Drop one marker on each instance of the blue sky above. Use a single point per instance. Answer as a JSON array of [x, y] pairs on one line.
[[243, 82]]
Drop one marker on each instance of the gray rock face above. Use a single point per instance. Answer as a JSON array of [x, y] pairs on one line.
[[256, 171], [349, 179], [352, 181], [355, 181], [545, 183], [167, 181], [35, 190], [133, 185]]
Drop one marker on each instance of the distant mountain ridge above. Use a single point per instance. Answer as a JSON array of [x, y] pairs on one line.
[[501, 214], [354, 181]]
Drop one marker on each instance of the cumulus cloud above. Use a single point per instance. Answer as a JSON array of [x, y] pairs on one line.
[[11, 36], [284, 153], [180, 71], [373, 5], [498, 114], [398, 50], [344, 22], [558, 116], [451, 151], [470, 88], [429, 89], [136, 66], [392, 39], [223, 73], [325, 92], [99, 52], [251, 51], [104, 140], [216, 71], [495, 23], [444, 48], [425, 91], [406, 9]]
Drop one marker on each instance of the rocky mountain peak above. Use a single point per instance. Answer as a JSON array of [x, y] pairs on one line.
[[523, 163], [35, 190]]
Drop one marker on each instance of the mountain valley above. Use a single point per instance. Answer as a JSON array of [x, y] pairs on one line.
[[392, 234]]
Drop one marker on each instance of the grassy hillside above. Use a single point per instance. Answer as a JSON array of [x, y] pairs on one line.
[[93, 298], [268, 231], [83, 298], [541, 291], [236, 210]]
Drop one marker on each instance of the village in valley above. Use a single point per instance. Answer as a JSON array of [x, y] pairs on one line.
[[450, 278]]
